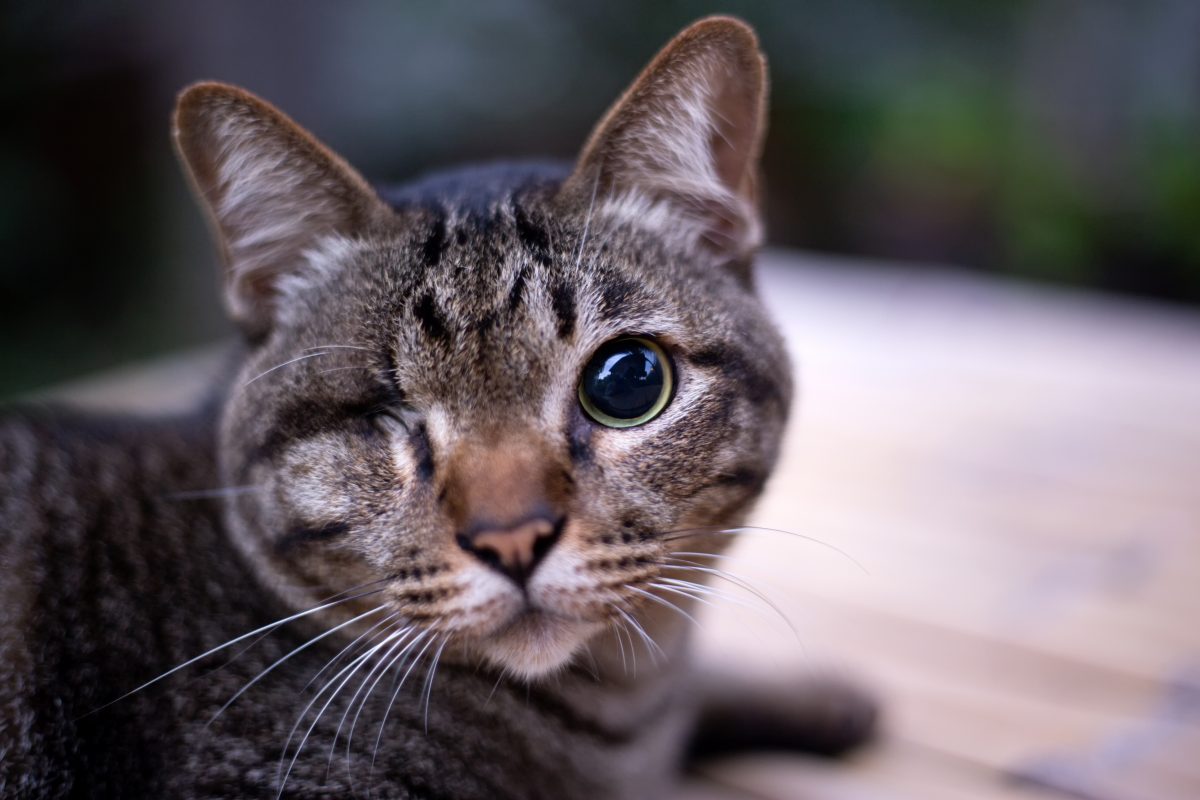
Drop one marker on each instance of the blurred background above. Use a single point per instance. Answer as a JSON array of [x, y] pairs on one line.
[[1043, 140]]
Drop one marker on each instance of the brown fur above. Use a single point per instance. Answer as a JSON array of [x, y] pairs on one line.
[[403, 425]]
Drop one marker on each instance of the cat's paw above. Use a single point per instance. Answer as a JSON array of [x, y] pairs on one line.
[[819, 714], [829, 715]]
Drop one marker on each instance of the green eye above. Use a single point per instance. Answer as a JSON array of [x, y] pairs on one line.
[[627, 382]]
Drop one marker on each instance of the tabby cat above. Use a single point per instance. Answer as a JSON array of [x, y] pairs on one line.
[[440, 532]]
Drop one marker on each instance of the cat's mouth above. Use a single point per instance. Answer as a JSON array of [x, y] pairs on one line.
[[536, 641]]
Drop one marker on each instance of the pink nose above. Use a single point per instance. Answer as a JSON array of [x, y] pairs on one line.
[[515, 550]]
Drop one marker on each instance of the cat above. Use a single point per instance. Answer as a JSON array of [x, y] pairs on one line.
[[426, 540]]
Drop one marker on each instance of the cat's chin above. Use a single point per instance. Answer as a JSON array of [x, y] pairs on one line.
[[536, 643]]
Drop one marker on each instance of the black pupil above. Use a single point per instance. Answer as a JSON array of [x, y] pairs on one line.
[[624, 379]]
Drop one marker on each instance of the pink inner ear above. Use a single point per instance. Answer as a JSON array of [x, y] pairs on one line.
[[733, 139], [687, 133], [272, 190]]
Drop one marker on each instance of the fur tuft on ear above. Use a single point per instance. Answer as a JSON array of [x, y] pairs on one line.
[[272, 191], [681, 145]]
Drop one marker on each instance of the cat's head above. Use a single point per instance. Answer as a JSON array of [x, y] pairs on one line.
[[505, 397]]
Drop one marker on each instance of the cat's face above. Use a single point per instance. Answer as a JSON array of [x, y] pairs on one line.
[[411, 414]]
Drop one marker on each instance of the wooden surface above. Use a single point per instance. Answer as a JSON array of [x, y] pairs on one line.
[[1018, 474]]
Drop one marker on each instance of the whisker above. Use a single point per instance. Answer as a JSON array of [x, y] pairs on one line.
[[620, 644], [495, 686], [265, 634], [342, 369], [353, 667], [651, 645], [380, 668], [632, 649], [593, 670], [204, 494], [671, 536], [430, 675], [587, 221], [699, 554], [673, 590], [707, 591], [664, 603], [703, 592], [392, 702], [368, 632], [357, 660], [268, 627], [338, 347], [736, 581], [266, 372], [282, 659]]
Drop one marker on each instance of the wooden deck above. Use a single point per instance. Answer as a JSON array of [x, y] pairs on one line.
[[1018, 473]]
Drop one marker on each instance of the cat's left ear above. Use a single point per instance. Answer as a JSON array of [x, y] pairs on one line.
[[272, 190], [686, 138]]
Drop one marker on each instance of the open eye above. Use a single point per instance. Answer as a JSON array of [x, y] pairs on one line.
[[627, 382]]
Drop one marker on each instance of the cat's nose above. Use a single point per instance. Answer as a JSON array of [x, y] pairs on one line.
[[514, 550]]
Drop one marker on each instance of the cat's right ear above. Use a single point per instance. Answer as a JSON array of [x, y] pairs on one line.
[[272, 191], [681, 146]]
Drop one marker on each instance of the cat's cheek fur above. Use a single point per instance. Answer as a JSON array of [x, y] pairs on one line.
[[310, 481]]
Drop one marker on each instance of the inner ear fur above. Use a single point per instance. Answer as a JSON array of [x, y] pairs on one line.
[[271, 191], [689, 132]]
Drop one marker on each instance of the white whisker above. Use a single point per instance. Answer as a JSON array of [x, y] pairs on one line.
[[266, 372], [620, 644], [651, 645], [492, 693], [338, 347], [665, 603], [587, 221], [353, 667], [430, 676], [282, 659], [269, 627], [380, 667], [368, 632], [738, 581], [670, 536], [673, 590], [593, 670], [204, 494], [342, 369], [392, 701]]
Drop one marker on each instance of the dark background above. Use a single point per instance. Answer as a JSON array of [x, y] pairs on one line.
[[1043, 140]]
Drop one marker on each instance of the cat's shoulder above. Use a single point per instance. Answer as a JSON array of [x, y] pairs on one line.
[[49, 451]]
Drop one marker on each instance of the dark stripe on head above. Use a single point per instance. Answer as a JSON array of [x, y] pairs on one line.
[[517, 292], [435, 242], [615, 296], [562, 297], [304, 419], [423, 452], [429, 318], [533, 236], [298, 537], [757, 387], [753, 478]]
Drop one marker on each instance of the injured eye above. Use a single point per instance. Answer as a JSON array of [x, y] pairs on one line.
[[627, 382]]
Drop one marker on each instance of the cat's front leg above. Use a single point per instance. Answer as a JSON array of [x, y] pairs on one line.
[[816, 713]]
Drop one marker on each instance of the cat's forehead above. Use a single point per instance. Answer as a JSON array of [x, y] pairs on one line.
[[494, 306]]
